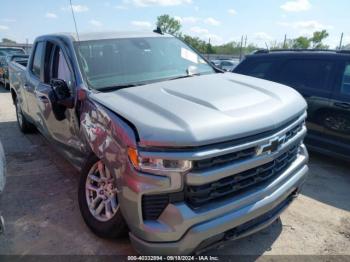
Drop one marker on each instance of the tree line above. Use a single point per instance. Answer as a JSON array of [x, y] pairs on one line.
[[168, 24]]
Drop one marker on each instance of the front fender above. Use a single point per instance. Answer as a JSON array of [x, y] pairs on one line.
[[108, 136]]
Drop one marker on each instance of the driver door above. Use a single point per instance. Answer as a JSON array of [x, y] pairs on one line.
[[64, 133]]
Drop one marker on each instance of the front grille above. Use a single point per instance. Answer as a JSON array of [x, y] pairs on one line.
[[220, 160], [198, 196], [239, 155]]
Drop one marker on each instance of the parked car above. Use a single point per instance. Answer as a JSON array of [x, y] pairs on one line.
[[180, 154], [226, 64], [11, 50], [2, 182], [323, 78], [4, 61]]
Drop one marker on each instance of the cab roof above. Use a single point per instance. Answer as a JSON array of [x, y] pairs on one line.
[[106, 35]]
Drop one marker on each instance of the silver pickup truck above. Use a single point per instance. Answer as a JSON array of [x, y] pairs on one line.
[[172, 150]]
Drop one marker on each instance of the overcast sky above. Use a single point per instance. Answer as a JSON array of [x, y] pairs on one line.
[[220, 20]]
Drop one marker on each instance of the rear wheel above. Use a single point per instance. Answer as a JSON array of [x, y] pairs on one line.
[[23, 123], [98, 200]]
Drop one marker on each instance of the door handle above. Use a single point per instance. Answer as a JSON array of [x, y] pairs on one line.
[[342, 105], [43, 99]]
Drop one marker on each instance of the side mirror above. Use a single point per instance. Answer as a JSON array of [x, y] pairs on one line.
[[60, 88], [62, 93]]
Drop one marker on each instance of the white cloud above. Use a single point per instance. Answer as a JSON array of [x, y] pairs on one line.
[[144, 3], [306, 27], [204, 34], [120, 7], [3, 27], [76, 8], [50, 15], [95, 23], [187, 20], [296, 6], [142, 24], [262, 36], [232, 11], [199, 30], [212, 21]]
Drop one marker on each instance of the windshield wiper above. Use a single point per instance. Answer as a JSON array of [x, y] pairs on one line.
[[117, 87], [183, 76]]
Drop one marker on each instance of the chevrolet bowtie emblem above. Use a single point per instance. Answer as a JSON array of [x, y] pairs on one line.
[[271, 147]]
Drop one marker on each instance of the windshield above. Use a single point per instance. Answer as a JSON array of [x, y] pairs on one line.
[[121, 62]]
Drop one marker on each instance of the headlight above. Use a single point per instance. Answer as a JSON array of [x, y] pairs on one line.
[[157, 165]]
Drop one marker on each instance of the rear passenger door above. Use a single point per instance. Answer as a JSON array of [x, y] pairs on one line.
[[312, 78], [337, 120]]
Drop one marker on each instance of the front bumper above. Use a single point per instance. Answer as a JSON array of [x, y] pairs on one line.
[[216, 229], [196, 231]]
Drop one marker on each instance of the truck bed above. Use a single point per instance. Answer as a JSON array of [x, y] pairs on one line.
[[17, 71]]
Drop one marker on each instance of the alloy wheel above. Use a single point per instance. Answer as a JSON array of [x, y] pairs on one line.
[[101, 193]]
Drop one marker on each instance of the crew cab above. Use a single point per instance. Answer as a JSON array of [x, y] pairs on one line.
[[176, 152]]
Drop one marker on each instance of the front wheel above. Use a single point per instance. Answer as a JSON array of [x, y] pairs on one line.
[[98, 200]]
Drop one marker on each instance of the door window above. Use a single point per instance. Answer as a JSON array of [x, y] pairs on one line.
[[259, 69], [306, 74], [60, 67], [345, 86], [38, 53]]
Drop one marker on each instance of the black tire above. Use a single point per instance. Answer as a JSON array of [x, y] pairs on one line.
[[23, 124], [116, 227]]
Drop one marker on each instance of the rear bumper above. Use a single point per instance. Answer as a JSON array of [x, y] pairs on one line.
[[236, 223]]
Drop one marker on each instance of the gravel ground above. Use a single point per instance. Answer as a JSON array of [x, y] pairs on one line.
[[40, 206]]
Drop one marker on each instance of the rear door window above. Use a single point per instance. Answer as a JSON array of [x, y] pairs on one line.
[[306, 74], [38, 55]]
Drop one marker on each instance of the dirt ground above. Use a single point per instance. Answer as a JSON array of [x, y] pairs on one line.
[[40, 206]]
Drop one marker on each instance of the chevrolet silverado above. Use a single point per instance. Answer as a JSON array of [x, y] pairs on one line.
[[179, 154]]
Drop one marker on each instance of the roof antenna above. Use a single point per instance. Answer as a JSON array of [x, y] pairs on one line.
[[158, 30], [75, 22]]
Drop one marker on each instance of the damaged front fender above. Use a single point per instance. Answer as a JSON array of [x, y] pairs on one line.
[[107, 135]]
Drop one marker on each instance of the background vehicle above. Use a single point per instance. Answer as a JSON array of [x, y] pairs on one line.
[[4, 61], [184, 156], [226, 64], [323, 78], [7, 51], [11, 51], [2, 181]]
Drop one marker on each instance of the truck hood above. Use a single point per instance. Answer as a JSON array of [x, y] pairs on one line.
[[202, 110]]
